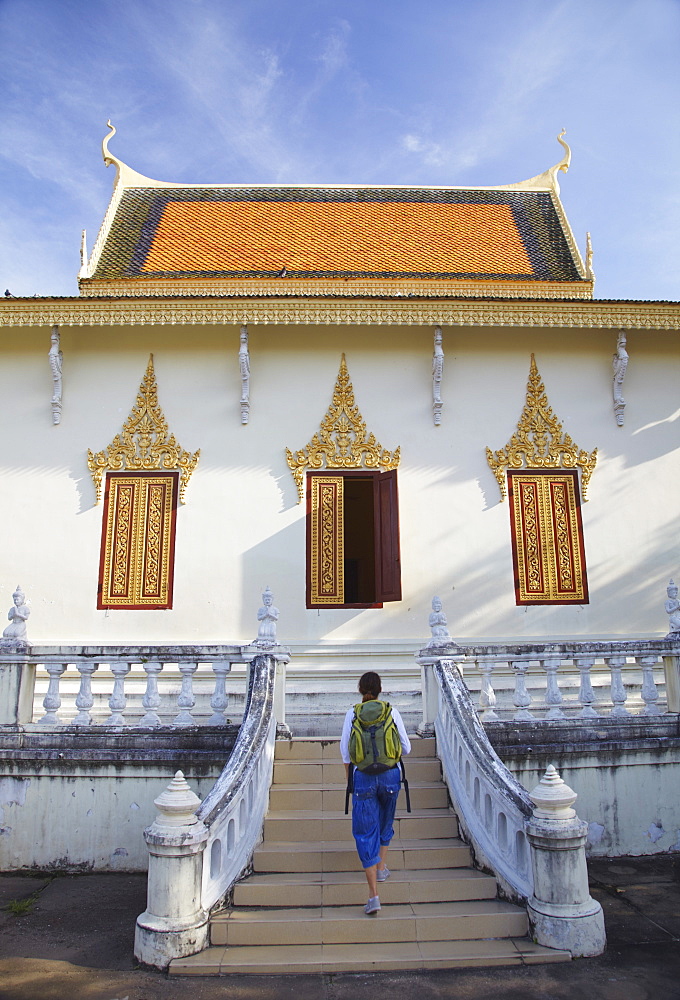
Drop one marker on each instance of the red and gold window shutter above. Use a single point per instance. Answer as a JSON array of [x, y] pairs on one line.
[[547, 538], [138, 540]]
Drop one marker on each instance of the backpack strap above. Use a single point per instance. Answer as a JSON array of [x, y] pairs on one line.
[[350, 787], [405, 784]]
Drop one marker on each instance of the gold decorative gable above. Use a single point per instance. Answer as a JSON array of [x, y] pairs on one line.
[[144, 443], [342, 439], [539, 442]]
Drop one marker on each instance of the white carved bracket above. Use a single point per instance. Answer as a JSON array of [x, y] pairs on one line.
[[620, 364], [244, 366], [437, 372], [56, 360]]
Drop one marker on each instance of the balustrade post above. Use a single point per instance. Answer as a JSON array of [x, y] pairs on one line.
[[429, 700], [586, 695], [17, 689], [671, 665], [219, 699], [562, 913], [85, 699], [52, 700], [151, 700], [648, 691], [174, 923], [282, 728], [553, 695], [522, 699], [618, 691], [118, 701], [186, 700], [487, 695]]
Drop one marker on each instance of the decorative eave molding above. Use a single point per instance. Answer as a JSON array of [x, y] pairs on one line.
[[344, 289], [592, 315], [342, 441], [539, 441], [144, 443]]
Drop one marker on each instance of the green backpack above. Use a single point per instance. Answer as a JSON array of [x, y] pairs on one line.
[[374, 744]]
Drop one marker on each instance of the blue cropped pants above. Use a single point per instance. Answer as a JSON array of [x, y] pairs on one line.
[[374, 802]]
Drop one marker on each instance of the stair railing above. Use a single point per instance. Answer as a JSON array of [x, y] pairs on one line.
[[233, 810], [491, 805], [197, 851]]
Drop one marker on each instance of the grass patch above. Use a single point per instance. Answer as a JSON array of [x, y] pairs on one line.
[[20, 907]]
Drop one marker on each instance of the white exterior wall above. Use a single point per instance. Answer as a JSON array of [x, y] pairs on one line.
[[242, 528]]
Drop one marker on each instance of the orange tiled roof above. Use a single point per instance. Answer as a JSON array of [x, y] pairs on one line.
[[336, 232]]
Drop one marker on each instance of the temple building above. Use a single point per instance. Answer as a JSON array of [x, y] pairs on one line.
[[357, 396]]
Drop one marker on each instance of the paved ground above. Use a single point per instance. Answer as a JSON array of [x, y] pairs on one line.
[[74, 940]]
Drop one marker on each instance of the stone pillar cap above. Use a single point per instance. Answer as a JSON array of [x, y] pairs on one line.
[[552, 797], [177, 804]]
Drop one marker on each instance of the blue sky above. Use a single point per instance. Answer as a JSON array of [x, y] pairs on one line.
[[442, 92]]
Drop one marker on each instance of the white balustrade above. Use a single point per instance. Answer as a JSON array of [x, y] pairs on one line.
[[487, 695], [85, 698], [219, 700], [152, 699], [648, 691], [118, 701], [522, 698], [186, 700], [553, 695], [618, 691], [52, 700], [586, 695]]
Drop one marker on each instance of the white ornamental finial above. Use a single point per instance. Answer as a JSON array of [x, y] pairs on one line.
[[552, 797], [177, 805]]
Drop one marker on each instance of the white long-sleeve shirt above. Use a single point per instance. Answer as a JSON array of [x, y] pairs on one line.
[[347, 728]]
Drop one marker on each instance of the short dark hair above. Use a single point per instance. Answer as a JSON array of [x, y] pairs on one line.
[[370, 683]]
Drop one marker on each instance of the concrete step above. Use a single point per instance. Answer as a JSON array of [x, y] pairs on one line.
[[284, 798], [319, 825], [344, 924], [431, 885], [384, 957], [329, 749], [333, 772], [341, 856]]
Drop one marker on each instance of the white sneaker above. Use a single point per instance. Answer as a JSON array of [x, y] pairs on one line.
[[383, 874], [372, 906]]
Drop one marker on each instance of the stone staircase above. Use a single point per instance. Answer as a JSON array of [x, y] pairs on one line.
[[301, 911]]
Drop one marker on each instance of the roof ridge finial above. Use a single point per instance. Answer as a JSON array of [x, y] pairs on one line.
[[548, 179], [108, 158]]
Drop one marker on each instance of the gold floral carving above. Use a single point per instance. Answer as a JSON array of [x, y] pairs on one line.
[[144, 443], [342, 441], [539, 442]]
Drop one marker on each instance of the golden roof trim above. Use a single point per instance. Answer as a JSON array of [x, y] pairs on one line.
[[539, 441], [133, 311], [345, 288]]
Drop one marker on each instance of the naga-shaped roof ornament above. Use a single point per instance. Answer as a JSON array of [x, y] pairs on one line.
[[144, 444], [539, 442], [548, 179], [342, 439], [125, 175]]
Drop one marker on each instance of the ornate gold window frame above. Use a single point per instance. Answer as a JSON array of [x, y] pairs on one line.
[[541, 464], [146, 475]]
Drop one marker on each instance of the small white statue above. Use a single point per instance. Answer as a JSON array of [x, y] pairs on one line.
[[244, 367], [620, 364], [15, 633], [438, 625], [56, 359], [672, 606], [267, 616]]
